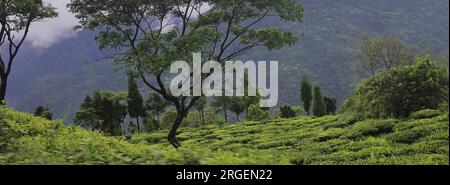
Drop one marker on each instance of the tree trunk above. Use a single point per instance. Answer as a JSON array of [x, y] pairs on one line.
[[181, 114], [203, 117], [200, 117], [137, 123], [3, 84], [158, 124], [225, 110], [237, 117]]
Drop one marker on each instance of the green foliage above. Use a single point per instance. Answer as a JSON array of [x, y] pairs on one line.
[[151, 123], [226, 30], [200, 106], [14, 125], [21, 12], [237, 105], [167, 118], [156, 105], [255, 113], [205, 117], [306, 94], [105, 111], [323, 52], [86, 115], [43, 112], [287, 112], [192, 119], [330, 104], [335, 140], [318, 108], [16, 17], [135, 101], [220, 104], [299, 110], [400, 91], [427, 113], [25, 139], [406, 137], [379, 54], [370, 128]]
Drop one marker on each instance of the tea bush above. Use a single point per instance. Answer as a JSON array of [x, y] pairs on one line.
[[427, 113], [336, 140]]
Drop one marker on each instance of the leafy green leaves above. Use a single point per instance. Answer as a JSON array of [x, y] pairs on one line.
[[26, 139], [270, 38], [158, 33], [401, 91], [19, 13]]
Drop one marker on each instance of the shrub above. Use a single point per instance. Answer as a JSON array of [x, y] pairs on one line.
[[26, 139], [255, 113], [371, 128], [43, 112], [299, 110], [400, 91], [406, 137], [427, 113], [287, 112]]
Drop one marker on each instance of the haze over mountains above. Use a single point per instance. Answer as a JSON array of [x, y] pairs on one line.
[[60, 74]]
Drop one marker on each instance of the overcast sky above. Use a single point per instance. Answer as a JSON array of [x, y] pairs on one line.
[[45, 33]]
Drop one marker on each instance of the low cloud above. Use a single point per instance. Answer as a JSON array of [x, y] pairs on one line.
[[47, 32]]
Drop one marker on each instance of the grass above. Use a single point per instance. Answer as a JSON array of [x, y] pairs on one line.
[[336, 140]]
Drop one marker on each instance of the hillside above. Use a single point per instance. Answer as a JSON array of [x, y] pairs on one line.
[[61, 75], [421, 139]]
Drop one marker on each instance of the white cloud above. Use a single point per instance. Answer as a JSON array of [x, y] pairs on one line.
[[49, 31]]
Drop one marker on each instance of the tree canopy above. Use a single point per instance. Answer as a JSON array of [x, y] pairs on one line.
[[16, 17], [148, 36], [400, 91]]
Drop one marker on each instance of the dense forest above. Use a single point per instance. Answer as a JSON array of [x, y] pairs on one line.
[[361, 82]]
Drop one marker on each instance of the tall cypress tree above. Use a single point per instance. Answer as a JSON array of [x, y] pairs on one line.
[[330, 104], [318, 104], [306, 94], [135, 101]]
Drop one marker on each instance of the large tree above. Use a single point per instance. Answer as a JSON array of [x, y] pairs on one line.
[[330, 104], [306, 94], [135, 101], [400, 91], [156, 104], [86, 116], [105, 111], [382, 53], [237, 106], [149, 35], [16, 17], [319, 108], [221, 105]]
